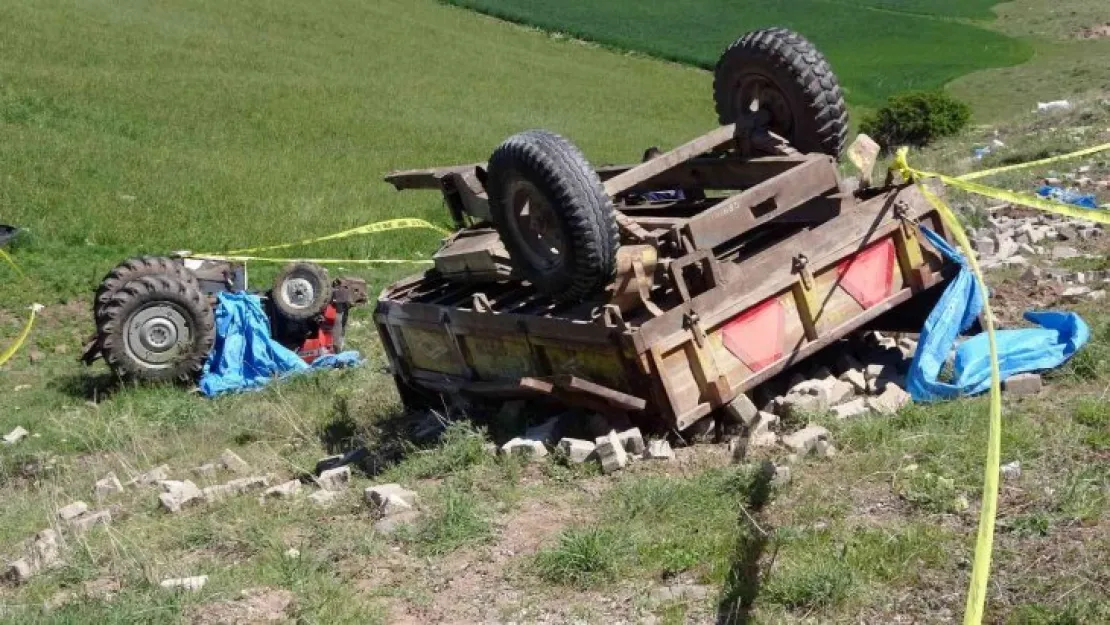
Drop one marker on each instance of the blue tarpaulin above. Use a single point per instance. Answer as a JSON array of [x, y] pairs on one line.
[[245, 356], [1019, 351], [1068, 196]]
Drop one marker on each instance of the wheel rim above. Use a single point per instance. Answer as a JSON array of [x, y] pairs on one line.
[[756, 92], [536, 224], [157, 334], [298, 293]]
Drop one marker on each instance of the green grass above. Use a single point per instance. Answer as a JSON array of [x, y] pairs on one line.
[[585, 557], [876, 53]]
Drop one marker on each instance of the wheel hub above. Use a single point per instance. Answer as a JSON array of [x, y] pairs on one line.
[[298, 293], [755, 93], [157, 334], [538, 225]]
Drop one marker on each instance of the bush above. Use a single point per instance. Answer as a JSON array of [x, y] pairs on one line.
[[916, 118]]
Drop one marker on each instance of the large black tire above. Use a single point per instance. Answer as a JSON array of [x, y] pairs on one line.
[[134, 268], [157, 328], [792, 80], [301, 291], [566, 245]]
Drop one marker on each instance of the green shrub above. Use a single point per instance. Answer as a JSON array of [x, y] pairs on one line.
[[916, 118]]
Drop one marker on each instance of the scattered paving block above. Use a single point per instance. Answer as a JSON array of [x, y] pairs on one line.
[[824, 449], [809, 397], [742, 410], [16, 435], [390, 524], [86, 522], [1060, 252], [254, 482], [907, 346], [1076, 291], [216, 492], [984, 245], [854, 408], [803, 441], [185, 583], [206, 470], [1023, 384], [324, 498], [1097, 295], [232, 462], [107, 486], [577, 450], [857, 378], [285, 489], [611, 453], [72, 511], [840, 392], [1011, 470], [20, 571], [390, 499], [524, 447], [782, 475], [659, 449], [178, 494], [633, 441], [874, 371], [153, 476], [892, 399], [335, 479], [292, 553]]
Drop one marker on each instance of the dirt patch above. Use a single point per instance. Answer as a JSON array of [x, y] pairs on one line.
[[1102, 31], [256, 605], [1011, 298]]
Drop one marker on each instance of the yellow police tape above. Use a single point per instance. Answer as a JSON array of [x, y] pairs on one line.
[[980, 570], [10, 351], [379, 226]]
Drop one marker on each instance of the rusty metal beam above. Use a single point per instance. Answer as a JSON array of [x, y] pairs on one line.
[[650, 169]]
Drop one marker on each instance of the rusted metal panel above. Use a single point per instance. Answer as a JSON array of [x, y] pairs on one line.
[[649, 169]]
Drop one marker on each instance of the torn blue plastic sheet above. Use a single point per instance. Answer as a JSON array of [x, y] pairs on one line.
[[246, 357], [1068, 196], [1019, 351]]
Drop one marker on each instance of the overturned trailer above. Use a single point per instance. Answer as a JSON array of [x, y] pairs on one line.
[[663, 290]]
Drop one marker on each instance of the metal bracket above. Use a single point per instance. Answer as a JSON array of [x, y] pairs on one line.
[[805, 296], [706, 371], [908, 245], [480, 303]]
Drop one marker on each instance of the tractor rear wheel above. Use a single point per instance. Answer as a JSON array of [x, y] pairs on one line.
[[157, 328], [134, 268], [779, 72], [553, 215]]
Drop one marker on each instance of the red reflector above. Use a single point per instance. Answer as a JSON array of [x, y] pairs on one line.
[[756, 335], [868, 276]]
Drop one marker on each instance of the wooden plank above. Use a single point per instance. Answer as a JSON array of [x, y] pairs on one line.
[[761, 203], [648, 170], [427, 178]]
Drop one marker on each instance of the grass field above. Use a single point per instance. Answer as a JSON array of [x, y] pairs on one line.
[[876, 48], [129, 126]]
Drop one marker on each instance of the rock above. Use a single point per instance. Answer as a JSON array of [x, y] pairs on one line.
[[856, 378], [1076, 291], [854, 408], [324, 498], [742, 410], [1011, 470], [185, 583], [824, 449], [83, 523], [292, 553], [611, 453], [803, 441], [72, 511], [232, 462], [177, 495], [874, 371], [1023, 384], [1005, 245], [761, 435], [907, 346], [390, 499], [782, 476], [633, 441], [285, 489], [153, 476], [524, 447], [206, 470], [1097, 295], [544, 432], [16, 435], [659, 449], [390, 524], [576, 450], [335, 479], [891, 400], [1060, 252], [107, 486]]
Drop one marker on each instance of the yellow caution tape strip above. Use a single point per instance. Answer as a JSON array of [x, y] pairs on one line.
[[10, 351], [980, 571], [318, 261]]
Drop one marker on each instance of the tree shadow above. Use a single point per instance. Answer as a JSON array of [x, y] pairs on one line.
[[744, 577]]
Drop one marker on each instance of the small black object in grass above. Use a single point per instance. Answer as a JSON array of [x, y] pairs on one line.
[[7, 233]]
